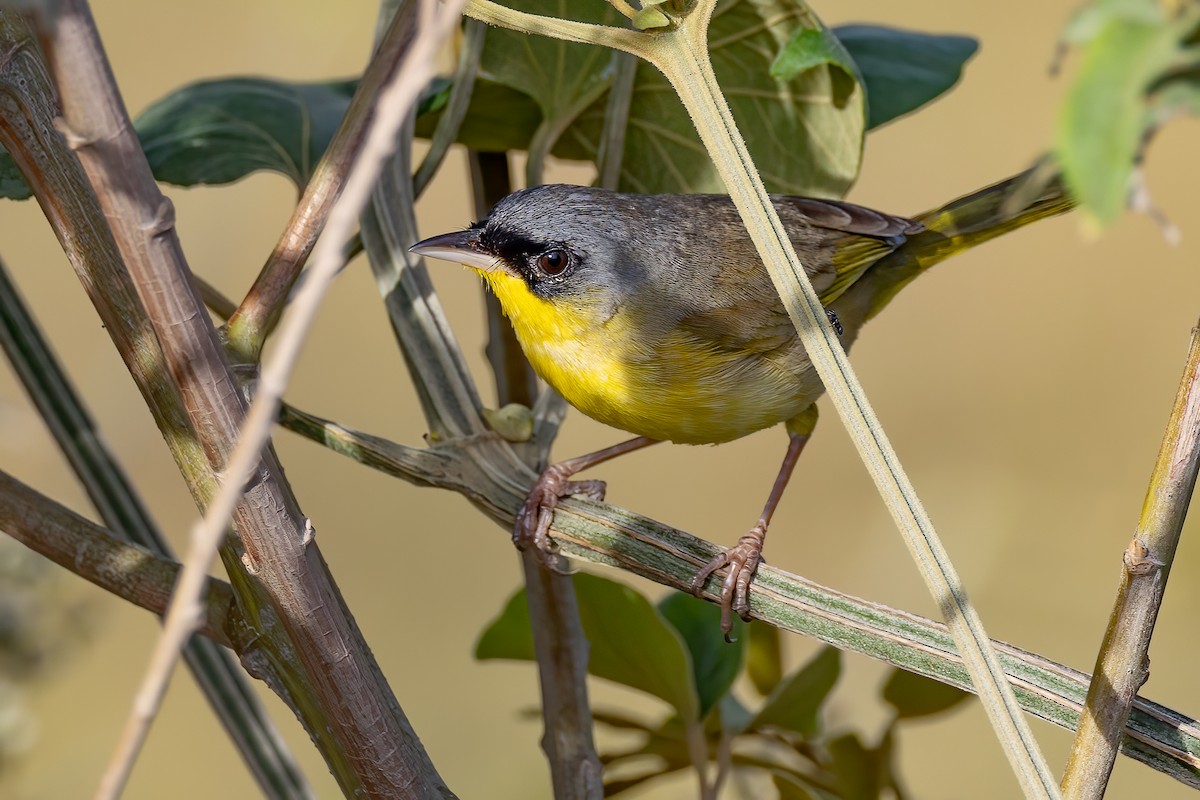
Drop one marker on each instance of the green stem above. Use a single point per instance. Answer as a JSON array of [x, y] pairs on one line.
[[1122, 665]]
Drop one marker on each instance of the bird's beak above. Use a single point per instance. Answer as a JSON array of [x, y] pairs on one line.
[[461, 247]]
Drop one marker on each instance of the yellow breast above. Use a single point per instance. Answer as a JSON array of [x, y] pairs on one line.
[[674, 388]]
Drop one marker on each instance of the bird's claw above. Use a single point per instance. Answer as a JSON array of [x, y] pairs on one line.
[[743, 560], [532, 528]]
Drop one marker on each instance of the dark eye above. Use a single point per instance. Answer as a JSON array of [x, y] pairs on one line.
[[553, 262]]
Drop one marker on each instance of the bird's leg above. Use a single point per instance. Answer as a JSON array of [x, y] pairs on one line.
[[532, 528], [742, 559]]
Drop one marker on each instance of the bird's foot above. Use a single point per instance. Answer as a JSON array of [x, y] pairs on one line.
[[532, 528], [743, 560]]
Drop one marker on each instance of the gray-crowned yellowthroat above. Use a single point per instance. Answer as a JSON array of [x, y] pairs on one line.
[[654, 314]]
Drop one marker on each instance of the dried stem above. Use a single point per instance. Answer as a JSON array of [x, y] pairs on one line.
[[248, 327], [1122, 665], [333, 680], [559, 643]]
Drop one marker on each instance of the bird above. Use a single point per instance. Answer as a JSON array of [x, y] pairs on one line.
[[654, 314]]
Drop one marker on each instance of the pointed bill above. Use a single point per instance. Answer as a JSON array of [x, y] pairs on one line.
[[461, 247]]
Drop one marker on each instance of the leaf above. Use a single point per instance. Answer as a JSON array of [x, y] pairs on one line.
[[805, 134], [219, 131], [810, 48], [795, 705], [562, 78], [630, 642], [509, 636], [715, 663], [1131, 44], [861, 772], [764, 663], [633, 645], [914, 695], [498, 118], [903, 70], [789, 788]]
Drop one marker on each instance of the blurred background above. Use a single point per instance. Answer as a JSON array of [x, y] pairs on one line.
[[1025, 385]]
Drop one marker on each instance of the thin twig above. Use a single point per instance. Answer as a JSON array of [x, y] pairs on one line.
[[248, 327], [611, 152], [1122, 665], [604, 534], [222, 680]]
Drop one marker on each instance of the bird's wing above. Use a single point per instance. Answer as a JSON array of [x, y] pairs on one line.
[[865, 236]]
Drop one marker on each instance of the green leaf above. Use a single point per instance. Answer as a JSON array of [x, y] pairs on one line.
[[795, 705], [790, 788], [498, 118], [914, 695], [218, 131], [715, 663], [630, 642], [12, 185], [807, 49], [633, 645], [1131, 44], [509, 636], [764, 662], [562, 78], [903, 70], [861, 772], [805, 133]]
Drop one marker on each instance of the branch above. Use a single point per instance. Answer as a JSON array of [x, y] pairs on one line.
[[223, 682], [604, 534], [330, 675], [1122, 665], [91, 552]]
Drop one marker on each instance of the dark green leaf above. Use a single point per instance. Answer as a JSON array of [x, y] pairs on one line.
[[914, 695], [630, 642], [805, 133], [903, 70], [715, 662], [795, 705], [764, 663], [12, 185], [859, 770], [509, 636], [219, 131], [633, 645], [498, 118]]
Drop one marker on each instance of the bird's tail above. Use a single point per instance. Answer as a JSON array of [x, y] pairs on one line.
[[961, 225]]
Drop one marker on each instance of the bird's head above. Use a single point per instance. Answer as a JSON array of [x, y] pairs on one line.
[[566, 245]]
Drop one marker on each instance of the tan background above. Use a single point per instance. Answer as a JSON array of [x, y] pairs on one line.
[[1025, 386]]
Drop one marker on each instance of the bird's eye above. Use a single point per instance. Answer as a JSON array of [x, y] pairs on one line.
[[553, 262]]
